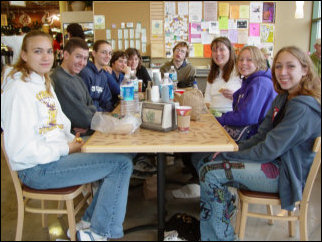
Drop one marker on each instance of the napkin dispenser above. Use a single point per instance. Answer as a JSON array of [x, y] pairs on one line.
[[159, 116]]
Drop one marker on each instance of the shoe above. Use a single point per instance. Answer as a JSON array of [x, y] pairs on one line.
[[144, 164], [89, 235], [141, 174], [172, 236], [80, 225], [187, 191]]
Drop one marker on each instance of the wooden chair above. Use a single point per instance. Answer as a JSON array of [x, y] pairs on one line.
[[26, 194], [269, 199]]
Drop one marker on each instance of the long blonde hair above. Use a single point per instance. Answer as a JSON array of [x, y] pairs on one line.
[[310, 84], [21, 65]]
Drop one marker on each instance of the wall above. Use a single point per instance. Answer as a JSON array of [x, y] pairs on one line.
[[289, 30]]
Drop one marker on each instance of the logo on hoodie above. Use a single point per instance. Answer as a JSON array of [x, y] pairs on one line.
[[275, 112]]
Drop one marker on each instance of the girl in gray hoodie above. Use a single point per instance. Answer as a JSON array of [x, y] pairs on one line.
[[277, 159]]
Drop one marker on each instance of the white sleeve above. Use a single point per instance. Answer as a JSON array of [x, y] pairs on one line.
[[207, 93], [20, 119]]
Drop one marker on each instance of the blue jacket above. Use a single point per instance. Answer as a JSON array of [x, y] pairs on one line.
[[114, 85], [97, 85], [290, 142], [251, 102]]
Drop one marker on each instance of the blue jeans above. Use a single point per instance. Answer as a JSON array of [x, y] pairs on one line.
[[216, 200], [107, 211]]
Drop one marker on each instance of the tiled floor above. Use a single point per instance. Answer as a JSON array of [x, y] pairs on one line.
[[141, 211]]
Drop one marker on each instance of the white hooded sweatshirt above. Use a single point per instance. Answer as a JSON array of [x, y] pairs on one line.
[[36, 131]]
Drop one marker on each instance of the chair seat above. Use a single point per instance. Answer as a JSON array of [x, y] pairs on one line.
[[62, 191], [264, 195]]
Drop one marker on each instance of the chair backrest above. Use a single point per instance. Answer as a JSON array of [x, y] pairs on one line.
[[313, 171], [14, 175]]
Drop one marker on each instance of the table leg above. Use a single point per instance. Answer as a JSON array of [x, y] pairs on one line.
[[161, 195]]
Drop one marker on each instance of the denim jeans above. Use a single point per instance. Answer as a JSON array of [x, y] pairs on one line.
[[215, 199], [106, 213]]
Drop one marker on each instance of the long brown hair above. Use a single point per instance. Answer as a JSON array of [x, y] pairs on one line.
[[131, 52], [310, 84], [229, 67], [21, 65]]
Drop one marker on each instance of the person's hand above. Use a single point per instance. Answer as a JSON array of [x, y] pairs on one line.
[[227, 93], [81, 131], [126, 70], [108, 69], [215, 155], [76, 144]]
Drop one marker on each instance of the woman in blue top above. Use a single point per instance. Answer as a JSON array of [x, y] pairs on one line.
[[278, 158], [252, 101], [95, 77], [119, 68]]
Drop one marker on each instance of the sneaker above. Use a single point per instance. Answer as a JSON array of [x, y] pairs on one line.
[[89, 235], [144, 164], [80, 225], [172, 236], [187, 191], [141, 174]]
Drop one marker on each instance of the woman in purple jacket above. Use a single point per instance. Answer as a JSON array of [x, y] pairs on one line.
[[253, 99]]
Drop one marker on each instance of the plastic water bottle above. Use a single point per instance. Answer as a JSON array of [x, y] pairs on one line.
[[195, 85], [127, 96], [167, 81], [174, 77], [135, 82]]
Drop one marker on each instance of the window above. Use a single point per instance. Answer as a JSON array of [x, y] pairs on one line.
[[316, 24]]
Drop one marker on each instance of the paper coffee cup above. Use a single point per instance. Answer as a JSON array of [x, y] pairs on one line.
[[183, 116]]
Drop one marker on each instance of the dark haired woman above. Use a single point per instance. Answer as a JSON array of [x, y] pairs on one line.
[[135, 62], [223, 80]]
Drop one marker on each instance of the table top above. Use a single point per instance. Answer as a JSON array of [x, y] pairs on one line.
[[205, 135]]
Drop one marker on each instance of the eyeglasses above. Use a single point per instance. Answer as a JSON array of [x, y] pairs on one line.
[[106, 52], [181, 51]]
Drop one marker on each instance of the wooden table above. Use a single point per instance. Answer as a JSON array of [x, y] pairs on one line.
[[205, 135]]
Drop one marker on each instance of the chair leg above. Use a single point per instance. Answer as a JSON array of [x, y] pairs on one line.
[[60, 206], [270, 212], [291, 225], [20, 219], [43, 215], [243, 220], [303, 223], [71, 219], [238, 216]]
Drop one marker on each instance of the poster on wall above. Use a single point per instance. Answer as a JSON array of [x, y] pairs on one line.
[[256, 12], [268, 12], [267, 33], [99, 22]]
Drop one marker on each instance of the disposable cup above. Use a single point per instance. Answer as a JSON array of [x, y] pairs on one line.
[[183, 116]]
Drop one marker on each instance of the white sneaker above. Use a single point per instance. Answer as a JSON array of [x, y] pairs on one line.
[[89, 235], [80, 225], [187, 191]]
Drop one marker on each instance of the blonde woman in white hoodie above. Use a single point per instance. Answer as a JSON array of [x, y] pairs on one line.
[[46, 155]]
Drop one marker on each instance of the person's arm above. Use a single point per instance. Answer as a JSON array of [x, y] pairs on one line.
[[289, 133], [208, 94], [20, 117], [251, 106], [105, 100], [144, 75]]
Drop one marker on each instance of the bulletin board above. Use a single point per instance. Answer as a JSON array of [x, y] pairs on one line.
[[113, 18], [199, 22]]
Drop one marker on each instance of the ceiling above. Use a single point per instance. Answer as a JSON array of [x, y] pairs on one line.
[[31, 6]]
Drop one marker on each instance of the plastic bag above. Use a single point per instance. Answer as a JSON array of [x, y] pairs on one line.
[[111, 125]]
